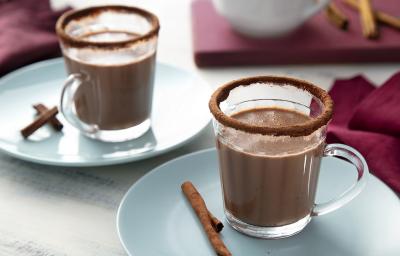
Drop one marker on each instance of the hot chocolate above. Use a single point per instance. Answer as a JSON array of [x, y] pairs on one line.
[[117, 88], [269, 181]]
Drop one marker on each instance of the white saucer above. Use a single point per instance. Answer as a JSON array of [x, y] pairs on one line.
[[180, 112], [154, 217]]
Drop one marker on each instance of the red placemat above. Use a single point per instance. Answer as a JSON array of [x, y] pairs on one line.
[[317, 41]]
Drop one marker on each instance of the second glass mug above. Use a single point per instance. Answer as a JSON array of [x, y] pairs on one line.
[[110, 53], [269, 174]]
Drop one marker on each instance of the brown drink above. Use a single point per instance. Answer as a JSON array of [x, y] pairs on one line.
[[269, 188], [270, 135], [109, 52], [121, 95]]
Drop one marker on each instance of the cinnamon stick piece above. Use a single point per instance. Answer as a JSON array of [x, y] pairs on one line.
[[40, 108], [388, 20], [336, 16], [215, 222], [39, 122], [369, 28], [199, 206], [381, 17]]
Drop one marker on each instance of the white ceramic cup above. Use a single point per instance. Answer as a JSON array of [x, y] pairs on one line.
[[267, 18]]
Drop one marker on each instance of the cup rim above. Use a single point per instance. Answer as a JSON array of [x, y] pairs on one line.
[[298, 130], [80, 43]]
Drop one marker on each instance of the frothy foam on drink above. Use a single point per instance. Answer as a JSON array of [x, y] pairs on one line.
[[109, 36], [111, 57], [270, 145]]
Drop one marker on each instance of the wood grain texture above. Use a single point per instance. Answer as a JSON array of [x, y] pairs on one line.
[[57, 211]]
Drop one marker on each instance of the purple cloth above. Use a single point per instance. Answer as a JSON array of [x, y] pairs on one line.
[[380, 112], [367, 118], [27, 33]]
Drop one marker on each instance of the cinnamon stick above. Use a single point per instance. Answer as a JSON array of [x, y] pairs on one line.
[[388, 20], [55, 123], [39, 122], [199, 206], [369, 28], [215, 222], [336, 16], [380, 16]]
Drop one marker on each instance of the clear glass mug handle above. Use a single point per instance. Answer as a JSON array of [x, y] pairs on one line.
[[352, 156], [67, 104]]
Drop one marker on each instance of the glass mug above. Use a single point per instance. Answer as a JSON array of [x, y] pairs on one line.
[[109, 53], [270, 135]]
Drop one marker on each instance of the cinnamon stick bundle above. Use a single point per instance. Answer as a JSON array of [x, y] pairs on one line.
[[336, 16], [199, 206], [39, 122], [381, 17], [54, 122], [369, 28]]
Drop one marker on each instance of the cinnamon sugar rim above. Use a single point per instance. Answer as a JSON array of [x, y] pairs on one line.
[[94, 11], [298, 130]]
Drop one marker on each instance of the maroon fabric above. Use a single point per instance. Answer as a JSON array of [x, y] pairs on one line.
[[380, 112], [27, 33], [317, 41], [366, 118]]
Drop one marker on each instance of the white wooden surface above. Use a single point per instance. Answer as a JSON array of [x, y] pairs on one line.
[[46, 211]]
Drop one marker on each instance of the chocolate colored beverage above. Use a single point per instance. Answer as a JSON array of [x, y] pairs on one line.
[[269, 181], [118, 90], [109, 53], [271, 133]]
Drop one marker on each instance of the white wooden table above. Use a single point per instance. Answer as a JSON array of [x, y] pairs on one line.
[[46, 211]]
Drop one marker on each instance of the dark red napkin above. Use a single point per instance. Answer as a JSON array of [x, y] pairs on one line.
[[367, 118], [27, 33]]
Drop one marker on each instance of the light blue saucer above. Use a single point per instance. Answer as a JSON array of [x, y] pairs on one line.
[[154, 217], [180, 112]]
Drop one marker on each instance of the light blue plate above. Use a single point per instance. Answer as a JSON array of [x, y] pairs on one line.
[[154, 217], [180, 112]]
